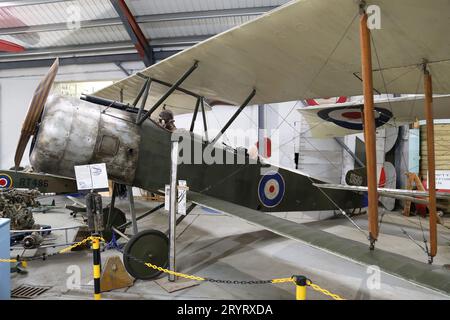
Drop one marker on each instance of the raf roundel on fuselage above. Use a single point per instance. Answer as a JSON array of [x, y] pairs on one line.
[[271, 189]]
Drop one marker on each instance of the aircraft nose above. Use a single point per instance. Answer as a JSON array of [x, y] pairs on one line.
[[35, 111]]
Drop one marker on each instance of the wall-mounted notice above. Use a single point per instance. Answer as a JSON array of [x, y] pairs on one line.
[[442, 180]]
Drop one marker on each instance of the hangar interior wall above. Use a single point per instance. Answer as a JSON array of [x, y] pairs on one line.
[[441, 146], [15, 97]]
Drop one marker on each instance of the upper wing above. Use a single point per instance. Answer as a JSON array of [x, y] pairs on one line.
[[392, 263], [307, 49], [336, 120]]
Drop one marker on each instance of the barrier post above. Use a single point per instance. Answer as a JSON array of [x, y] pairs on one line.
[[173, 202], [301, 283], [96, 268]]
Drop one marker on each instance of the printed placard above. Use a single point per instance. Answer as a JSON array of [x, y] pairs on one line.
[[91, 176]]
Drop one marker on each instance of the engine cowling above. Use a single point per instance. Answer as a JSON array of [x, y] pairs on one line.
[[74, 132]]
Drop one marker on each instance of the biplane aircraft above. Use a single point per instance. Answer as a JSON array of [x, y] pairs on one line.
[[304, 49]]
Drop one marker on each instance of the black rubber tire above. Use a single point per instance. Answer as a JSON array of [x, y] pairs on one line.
[[150, 246]]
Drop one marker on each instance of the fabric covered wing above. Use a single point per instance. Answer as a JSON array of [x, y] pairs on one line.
[[307, 49], [407, 195], [341, 119], [395, 264]]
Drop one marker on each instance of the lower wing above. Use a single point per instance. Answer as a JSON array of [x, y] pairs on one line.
[[407, 195], [415, 271]]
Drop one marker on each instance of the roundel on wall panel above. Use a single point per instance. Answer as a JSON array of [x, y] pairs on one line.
[[352, 117], [271, 189]]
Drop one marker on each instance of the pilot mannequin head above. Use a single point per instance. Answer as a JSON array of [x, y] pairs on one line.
[[166, 120]]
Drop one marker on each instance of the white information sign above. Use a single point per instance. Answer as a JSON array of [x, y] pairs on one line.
[[442, 180], [182, 189], [181, 205], [91, 176]]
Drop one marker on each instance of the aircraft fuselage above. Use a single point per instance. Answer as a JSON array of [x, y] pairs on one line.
[[74, 132]]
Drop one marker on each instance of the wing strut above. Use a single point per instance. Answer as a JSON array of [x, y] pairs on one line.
[[169, 92], [431, 162], [369, 127], [141, 92], [194, 116], [205, 125], [146, 88], [238, 111]]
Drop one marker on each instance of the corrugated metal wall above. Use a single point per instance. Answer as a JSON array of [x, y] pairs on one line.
[[59, 12]]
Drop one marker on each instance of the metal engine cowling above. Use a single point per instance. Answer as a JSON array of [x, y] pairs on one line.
[[74, 132]]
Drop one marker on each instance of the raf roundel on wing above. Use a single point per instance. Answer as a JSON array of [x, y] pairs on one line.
[[5, 181], [351, 117]]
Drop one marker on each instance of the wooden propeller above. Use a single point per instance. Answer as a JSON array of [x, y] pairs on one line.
[[35, 111]]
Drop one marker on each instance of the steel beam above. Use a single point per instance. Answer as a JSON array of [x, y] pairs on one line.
[[107, 47], [107, 58], [152, 18], [134, 31], [119, 46], [121, 67], [19, 3]]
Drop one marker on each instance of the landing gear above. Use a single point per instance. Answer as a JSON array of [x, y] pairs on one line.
[[148, 246], [116, 219], [372, 243]]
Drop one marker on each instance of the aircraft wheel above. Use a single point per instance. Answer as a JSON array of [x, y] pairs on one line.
[[147, 246], [116, 219]]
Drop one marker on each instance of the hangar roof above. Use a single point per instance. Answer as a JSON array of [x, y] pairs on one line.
[[92, 31]]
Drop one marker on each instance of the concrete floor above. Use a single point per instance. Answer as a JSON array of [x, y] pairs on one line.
[[224, 247]]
